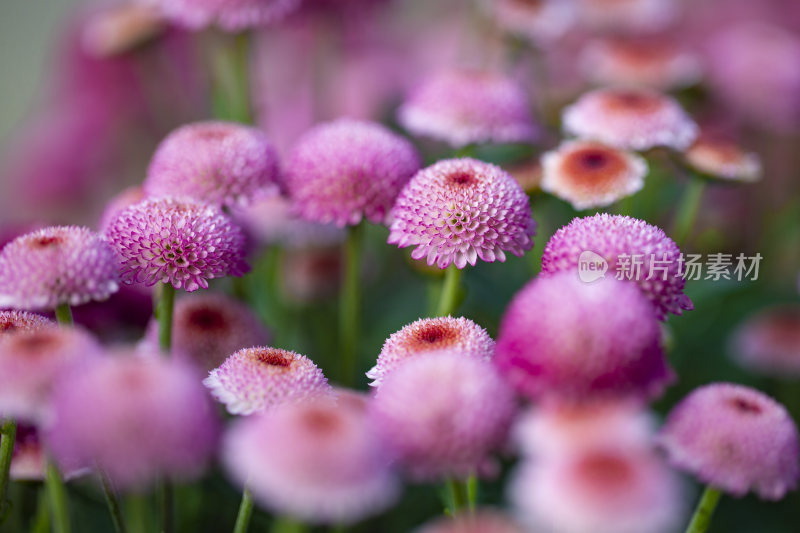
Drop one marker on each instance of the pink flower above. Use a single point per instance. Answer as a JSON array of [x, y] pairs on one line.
[[482, 521], [723, 158], [769, 342], [230, 15], [11, 321]]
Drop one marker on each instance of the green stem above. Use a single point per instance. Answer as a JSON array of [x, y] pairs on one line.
[[139, 513], [688, 209], [448, 301], [459, 496], [8, 434], [231, 79], [245, 512], [472, 492], [166, 506], [285, 524], [41, 520], [164, 315], [704, 511], [113, 503], [64, 315], [350, 303], [57, 493]]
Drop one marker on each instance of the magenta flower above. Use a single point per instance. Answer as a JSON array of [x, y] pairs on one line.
[[463, 106], [207, 328], [317, 460], [230, 15], [564, 339], [343, 171], [12, 321], [627, 15], [633, 249], [723, 158], [221, 163], [769, 341], [734, 438], [137, 417], [118, 203], [541, 21], [54, 266], [177, 241], [413, 401], [482, 521], [630, 119], [458, 210], [256, 379], [431, 335], [31, 363]]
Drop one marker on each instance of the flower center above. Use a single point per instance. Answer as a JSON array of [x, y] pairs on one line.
[[603, 469], [273, 358], [320, 420], [461, 178], [46, 241], [37, 343], [206, 318], [744, 405], [633, 101], [433, 336]]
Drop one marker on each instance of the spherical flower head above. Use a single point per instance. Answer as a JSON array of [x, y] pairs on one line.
[[13, 321], [121, 28], [564, 339], [602, 489], [630, 119], [230, 15], [769, 342], [178, 241], [31, 363], [463, 106], [627, 15], [723, 159], [413, 400], [220, 163], [431, 335], [541, 21], [621, 241], [137, 417], [482, 521], [734, 438], [318, 460], [256, 379], [57, 265], [642, 62], [117, 204], [207, 328], [591, 174], [458, 210], [344, 171]]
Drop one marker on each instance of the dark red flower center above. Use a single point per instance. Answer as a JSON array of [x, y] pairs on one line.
[[320, 420], [461, 178], [273, 357], [206, 319], [46, 241], [745, 405], [602, 469]]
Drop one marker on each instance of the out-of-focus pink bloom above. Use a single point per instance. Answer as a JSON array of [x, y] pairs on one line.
[[311, 274], [230, 15], [120, 202], [627, 15], [481, 521], [723, 158], [121, 28], [769, 341], [541, 21]]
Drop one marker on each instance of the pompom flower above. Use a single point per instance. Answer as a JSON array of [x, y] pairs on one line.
[[630, 119], [734, 438], [564, 339], [627, 15], [413, 401], [344, 171], [230, 15], [769, 342], [602, 489], [723, 159], [463, 106], [256, 379], [318, 460], [590, 174], [11, 321], [482, 521], [541, 21], [633, 249], [207, 328], [177, 241], [138, 418], [118, 203], [221, 163], [31, 362], [57, 265], [458, 210]]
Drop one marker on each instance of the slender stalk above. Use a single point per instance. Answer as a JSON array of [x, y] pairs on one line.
[[164, 315], [41, 520], [166, 507], [57, 493], [138, 510], [688, 209], [231, 79], [245, 512], [459, 496], [448, 301], [704, 511], [64, 315], [285, 524], [113, 503], [472, 492], [8, 434], [350, 303]]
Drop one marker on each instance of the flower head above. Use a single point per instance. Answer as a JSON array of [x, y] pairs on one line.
[[221, 163], [318, 460], [207, 328], [734, 438], [256, 379], [54, 266], [769, 341], [121, 28], [564, 339], [462, 106], [11, 321], [347, 170], [541, 21], [432, 335], [118, 203], [177, 241], [623, 242], [413, 401], [482, 521], [458, 210], [591, 174], [631, 119], [627, 15], [230, 15], [136, 417], [724, 159]]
